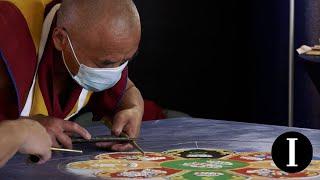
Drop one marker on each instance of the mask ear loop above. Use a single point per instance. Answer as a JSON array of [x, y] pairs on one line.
[[71, 46], [64, 61]]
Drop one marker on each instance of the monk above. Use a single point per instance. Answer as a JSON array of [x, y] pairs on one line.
[[82, 62]]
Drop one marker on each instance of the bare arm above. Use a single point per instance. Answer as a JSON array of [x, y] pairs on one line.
[[132, 98], [12, 136], [25, 136], [130, 112], [128, 117]]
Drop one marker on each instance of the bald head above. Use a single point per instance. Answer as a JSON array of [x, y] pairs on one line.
[[102, 32], [85, 15]]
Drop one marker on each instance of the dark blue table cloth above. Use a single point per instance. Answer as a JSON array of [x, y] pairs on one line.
[[163, 135], [315, 59]]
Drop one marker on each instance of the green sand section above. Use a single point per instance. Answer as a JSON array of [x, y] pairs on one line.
[[205, 175], [205, 164]]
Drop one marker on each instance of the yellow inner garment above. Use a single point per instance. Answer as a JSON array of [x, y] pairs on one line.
[[39, 107]]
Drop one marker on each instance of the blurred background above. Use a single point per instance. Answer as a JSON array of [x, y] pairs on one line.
[[227, 59]]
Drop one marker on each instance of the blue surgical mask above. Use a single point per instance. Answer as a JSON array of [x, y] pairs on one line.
[[95, 79]]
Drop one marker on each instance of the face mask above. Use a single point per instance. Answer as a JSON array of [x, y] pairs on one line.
[[95, 79]]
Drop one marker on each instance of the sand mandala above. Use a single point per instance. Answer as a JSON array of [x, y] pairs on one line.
[[180, 164]]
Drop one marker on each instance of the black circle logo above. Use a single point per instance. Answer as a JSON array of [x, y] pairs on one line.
[[292, 152]]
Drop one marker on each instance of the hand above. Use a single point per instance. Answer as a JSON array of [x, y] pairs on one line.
[[59, 130], [127, 121], [36, 140]]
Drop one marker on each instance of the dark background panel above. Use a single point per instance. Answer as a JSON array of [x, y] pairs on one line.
[[307, 106], [218, 59], [190, 57], [270, 27]]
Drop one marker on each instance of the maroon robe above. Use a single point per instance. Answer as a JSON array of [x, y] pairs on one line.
[[18, 55]]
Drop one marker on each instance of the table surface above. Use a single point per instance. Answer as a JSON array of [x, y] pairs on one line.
[[315, 59], [163, 135]]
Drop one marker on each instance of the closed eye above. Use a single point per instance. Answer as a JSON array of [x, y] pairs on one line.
[[107, 63]]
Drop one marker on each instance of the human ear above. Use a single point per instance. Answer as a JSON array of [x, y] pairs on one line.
[[59, 37]]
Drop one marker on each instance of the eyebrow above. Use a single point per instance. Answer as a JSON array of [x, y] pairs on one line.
[[110, 62]]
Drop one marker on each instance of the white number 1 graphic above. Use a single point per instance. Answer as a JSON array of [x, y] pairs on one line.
[[292, 152]]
